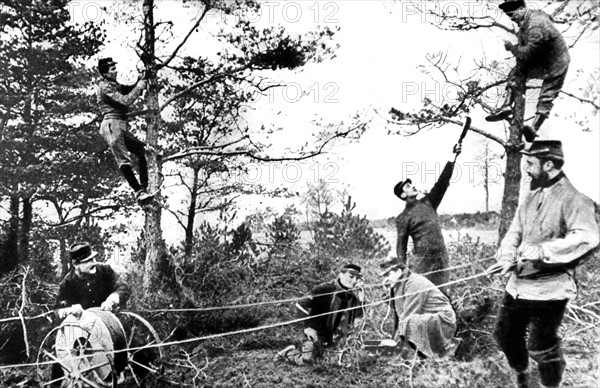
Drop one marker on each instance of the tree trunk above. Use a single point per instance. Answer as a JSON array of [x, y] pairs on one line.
[[189, 228], [486, 177], [155, 246], [512, 175], [24, 230], [10, 250], [487, 193], [64, 260]]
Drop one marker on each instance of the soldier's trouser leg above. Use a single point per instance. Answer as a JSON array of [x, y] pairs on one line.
[[544, 342], [127, 172], [515, 76], [56, 374], [432, 265], [505, 110], [551, 87], [511, 330], [138, 148], [114, 131]]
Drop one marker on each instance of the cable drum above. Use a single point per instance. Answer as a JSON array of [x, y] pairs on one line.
[[99, 337]]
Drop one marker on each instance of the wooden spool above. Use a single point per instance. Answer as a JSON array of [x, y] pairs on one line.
[[92, 345]]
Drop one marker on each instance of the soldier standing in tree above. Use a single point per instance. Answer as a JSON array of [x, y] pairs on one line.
[[541, 53], [114, 101]]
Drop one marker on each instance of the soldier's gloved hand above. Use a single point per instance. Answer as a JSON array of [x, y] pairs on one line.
[[530, 252], [111, 302], [503, 267], [311, 334], [360, 292], [358, 322], [457, 149], [75, 310], [62, 313]]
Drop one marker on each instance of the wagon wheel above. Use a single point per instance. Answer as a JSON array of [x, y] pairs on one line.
[[144, 359], [75, 357]]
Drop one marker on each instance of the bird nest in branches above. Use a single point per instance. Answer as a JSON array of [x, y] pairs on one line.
[[284, 56]]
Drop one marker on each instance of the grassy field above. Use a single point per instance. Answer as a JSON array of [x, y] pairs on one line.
[[247, 360]]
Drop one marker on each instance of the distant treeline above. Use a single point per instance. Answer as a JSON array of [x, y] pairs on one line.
[[484, 220]]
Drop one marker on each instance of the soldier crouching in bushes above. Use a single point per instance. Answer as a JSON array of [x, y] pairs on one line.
[[333, 308], [423, 315]]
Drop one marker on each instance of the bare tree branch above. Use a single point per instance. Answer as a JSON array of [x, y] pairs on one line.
[[254, 156], [593, 103], [189, 89], [477, 130], [204, 148], [184, 40], [462, 23], [560, 8], [87, 214], [176, 215]]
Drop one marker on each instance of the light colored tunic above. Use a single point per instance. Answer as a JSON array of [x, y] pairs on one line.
[[424, 315], [560, 221]]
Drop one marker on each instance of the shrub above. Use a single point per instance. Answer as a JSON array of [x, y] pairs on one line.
[[284, 235], [348, 236], [475, 300], [39, 299]]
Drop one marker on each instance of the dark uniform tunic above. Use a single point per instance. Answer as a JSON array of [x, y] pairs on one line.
[[337, 298], [419, 220], [90, 290], [542, 53]]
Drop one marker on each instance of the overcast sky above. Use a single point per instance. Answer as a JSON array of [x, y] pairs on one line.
[[376, 67]]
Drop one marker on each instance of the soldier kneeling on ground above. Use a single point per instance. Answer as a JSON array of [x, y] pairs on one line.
[[423, 316], [333, 308]]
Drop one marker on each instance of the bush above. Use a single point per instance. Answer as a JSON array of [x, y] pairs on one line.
[[39, 299], [475, 300], [284, 235], [348, 236]]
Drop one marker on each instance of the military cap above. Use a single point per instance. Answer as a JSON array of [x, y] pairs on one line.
[[391, 265], [512, 5], [399, 186], [105, 63], [550, 148], [81, 253], [352, 269]]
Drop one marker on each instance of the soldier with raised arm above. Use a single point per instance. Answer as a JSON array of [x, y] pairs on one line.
[[419, 221]]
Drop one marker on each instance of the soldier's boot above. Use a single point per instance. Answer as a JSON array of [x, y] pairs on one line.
[[288, 354], [505, 110], [144, 198], [530, 132]]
